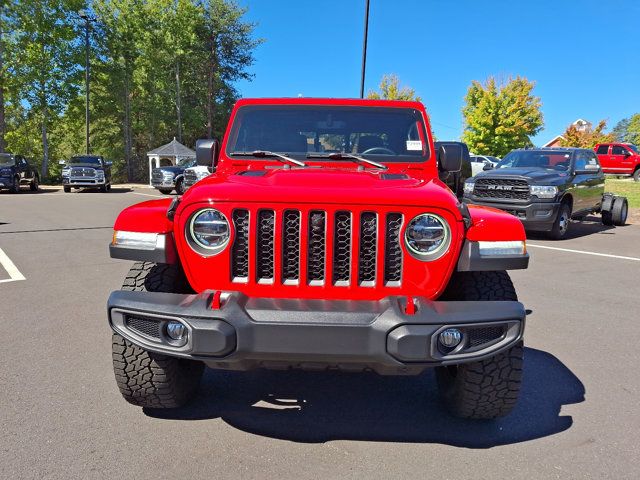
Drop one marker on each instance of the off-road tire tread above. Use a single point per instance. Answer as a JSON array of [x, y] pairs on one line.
[[489, 388], [616, 212], [149, 379]]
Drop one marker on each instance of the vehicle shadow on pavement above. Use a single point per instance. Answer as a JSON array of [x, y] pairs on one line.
[[320, 407], [589, 226]]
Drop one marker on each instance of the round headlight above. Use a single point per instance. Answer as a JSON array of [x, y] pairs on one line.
[[427, 236], [209, 230]]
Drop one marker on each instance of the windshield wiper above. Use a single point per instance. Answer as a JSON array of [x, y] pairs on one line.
[[266, 153], [347, 156]]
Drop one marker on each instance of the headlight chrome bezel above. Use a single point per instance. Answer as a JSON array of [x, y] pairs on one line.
[[438, 252], [197, 245], [543, 191]]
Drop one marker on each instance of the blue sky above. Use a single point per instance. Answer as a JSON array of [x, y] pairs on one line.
[[583, 55]]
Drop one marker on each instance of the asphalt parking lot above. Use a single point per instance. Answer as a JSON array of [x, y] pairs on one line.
[[62, 416]]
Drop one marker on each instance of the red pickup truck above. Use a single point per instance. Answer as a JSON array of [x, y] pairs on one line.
[[619, 159]]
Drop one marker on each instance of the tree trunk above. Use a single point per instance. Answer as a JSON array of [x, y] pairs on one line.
[[44, 174], [210, 86], [127, 125], [3, 122], [178, 103]]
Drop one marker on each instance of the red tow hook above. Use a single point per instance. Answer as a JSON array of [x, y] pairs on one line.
[[411, 307], [216, 303]]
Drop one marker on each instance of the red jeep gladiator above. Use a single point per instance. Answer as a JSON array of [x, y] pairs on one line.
[[324, 240], [619, 159]]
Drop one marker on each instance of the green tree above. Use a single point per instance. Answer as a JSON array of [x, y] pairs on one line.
[[390, 89], [501, 117], [587, 137], [628, 130], [47, 73]]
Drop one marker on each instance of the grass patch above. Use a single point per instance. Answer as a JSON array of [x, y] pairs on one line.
[[627, 188]]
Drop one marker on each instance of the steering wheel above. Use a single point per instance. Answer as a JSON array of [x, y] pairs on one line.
[[375, 150]]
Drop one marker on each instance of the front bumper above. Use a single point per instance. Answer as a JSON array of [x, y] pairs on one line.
[[163, 184], [535, 216], [84, 181], [242, 333]]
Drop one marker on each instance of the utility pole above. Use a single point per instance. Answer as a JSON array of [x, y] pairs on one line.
[[364, 48], [85, 16]]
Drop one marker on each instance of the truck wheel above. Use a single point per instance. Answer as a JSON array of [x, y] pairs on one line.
[[636, 175], [34, 184], [561, 224], [15, 185], [619, 211], [66, 189], [489, 388], [149, 379], [103, 188], [165, 191], [180, 187]]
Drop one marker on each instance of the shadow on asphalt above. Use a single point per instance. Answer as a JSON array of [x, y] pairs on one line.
[[97, 190], [320, 407], [589, 226]]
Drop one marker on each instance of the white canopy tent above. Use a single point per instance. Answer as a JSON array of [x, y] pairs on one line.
[[173, 151]]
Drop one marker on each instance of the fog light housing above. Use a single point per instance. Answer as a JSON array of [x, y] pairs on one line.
[[450, 338], [176, 330]]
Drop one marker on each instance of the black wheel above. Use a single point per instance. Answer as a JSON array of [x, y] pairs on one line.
[[66, 189], [103, 188], [34, 185], [108, 187], [561, 224], [180, 188], [636, 175], [165, 191], [619, 211], [489, 388], [149, 379], [15, 185]]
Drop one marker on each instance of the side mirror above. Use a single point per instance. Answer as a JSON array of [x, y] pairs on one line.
[[487, 166], [62, 162], [627, 153], [451, 155], [207, 152]]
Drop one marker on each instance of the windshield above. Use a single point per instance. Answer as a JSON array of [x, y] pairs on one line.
[[186, 162], [634, 148], [388, 134], [85, 159], [556, 160], [7, 160]]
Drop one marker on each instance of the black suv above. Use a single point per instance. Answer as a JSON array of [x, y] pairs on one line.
[[86, 171], [546, 188], [16, 171]]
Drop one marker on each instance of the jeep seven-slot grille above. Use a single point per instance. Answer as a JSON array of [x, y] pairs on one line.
[[316, 247], [501, 188]]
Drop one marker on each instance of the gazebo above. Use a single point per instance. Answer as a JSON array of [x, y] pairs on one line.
[[173, 151]]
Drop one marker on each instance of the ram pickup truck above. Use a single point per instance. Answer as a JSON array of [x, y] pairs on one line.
[[619, 159], [16, 171], [324, 240], [86, 171], [169, 178], [547, 188]]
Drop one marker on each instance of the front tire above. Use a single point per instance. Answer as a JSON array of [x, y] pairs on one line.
[[180, 188], [15, 186], [149, 379], [489, 388], [561, 224], [165, 191], [34, 185], [636, 175], [66, 189]]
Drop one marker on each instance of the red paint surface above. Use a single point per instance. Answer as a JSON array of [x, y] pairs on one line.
[[331, 187]]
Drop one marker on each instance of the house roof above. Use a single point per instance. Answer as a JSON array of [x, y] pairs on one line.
[[172, 149], [553, 140]]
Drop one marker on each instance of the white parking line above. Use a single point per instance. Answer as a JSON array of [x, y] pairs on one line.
[[11, 269], [620, 257], [148, 194]]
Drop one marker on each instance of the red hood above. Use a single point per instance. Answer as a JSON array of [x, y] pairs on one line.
[[322, 186]]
